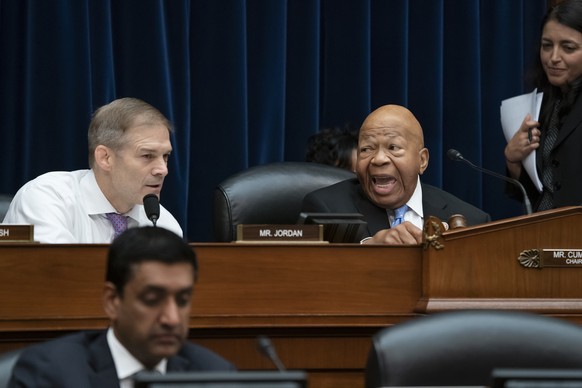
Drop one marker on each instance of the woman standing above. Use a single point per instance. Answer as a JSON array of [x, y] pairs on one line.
[[557, 136]]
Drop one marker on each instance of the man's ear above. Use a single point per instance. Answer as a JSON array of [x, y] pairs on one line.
[[423, 155], [111, 300], [103, 157]]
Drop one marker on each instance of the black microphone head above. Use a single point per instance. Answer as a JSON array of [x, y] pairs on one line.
[[453, 154], [151, 205]]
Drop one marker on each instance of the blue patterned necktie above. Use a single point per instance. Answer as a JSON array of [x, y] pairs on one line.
[[399, 215], [118, 221]]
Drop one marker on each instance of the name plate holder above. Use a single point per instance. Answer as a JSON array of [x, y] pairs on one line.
[[556, 258], [279, 233], [16, 233]]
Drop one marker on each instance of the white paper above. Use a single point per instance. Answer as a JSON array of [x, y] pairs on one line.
[[513, 111]]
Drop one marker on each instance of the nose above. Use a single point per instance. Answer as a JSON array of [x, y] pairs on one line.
[[160, 167], [380, 158], [555, 57], [170, 314]]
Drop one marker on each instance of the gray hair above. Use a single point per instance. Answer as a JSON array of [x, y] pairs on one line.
[[110, 122]]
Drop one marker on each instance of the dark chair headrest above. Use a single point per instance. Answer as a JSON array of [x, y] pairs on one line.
[[269, 194], [463, 348]]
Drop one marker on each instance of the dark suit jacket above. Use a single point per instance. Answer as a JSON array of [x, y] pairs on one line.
[[348, 197], [566, 163], [83, 360]]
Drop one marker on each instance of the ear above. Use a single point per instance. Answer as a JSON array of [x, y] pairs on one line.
[[103, 157], [423, 155], [111, 300]]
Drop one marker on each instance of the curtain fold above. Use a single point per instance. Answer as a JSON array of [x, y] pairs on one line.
[[246, 82]]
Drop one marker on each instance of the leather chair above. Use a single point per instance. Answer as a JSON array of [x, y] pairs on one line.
[[462, 348], [4, 204], [7, 361], [269, 194]]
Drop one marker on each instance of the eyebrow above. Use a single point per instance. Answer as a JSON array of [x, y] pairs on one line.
[[154, 288], [561, 41], [152, 150]]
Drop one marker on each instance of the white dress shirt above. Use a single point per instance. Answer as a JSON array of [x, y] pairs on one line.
[[69, 207], [414, 213], [126, 364]]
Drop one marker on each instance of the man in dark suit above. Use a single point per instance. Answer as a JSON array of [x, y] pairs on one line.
[[147, 297], [391, 158]]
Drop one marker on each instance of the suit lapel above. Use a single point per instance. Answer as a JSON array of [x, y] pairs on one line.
[[178, 364], [103, 372], [432, 205], [573, 120], [376, 217]]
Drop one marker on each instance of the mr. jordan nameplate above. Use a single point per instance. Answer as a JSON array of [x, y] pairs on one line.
[[282, 233], [562, 258]]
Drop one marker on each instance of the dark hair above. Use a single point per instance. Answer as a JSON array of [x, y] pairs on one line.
[[569, 14], [137, 245], [333, 146]]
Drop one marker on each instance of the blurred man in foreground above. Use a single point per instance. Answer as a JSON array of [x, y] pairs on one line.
[[147, 297]]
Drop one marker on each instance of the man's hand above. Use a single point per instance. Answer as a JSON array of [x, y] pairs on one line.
[[404, 234]]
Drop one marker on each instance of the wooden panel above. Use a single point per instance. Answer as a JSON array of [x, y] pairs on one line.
[[479, 268], [305, 285], [319, 303]]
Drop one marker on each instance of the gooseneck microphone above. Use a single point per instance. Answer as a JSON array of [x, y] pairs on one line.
[[456, 156], [151, 205], [267, 349]]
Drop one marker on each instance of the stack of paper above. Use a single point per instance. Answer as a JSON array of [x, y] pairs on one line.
[[513, 112]]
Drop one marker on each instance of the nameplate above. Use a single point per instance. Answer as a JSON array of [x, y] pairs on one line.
[[279, 233], [16, 233], [561, 258]]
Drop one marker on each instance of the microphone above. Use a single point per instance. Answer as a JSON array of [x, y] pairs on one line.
[[267, 349], [151, 205], [456, 156]]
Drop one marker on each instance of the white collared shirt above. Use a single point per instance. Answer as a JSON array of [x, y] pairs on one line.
[[414, 213], [126, 364], [69, 207]]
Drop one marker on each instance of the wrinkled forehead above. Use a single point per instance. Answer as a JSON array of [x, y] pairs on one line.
[[393, 119]]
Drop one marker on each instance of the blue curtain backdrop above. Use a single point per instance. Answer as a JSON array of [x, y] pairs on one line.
[[247, 82]]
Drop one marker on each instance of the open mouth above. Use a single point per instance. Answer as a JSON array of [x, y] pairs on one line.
[[383, 184]]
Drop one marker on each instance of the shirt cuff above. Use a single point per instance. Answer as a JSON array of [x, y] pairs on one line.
[[364, 239]]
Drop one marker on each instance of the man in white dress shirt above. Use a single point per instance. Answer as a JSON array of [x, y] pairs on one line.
[[129, 147]]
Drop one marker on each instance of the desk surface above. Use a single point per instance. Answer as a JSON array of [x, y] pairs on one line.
[[59, 286], [319, 303]]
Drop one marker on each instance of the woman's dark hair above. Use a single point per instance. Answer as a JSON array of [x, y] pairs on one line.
[[332, 146], [137, 245], [569, 14]]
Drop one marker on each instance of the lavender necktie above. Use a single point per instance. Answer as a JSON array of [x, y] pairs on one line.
[[118, 221]]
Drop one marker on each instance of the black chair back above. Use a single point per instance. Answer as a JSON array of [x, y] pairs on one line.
[[269, 194], [462, 348], [4, 204]]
